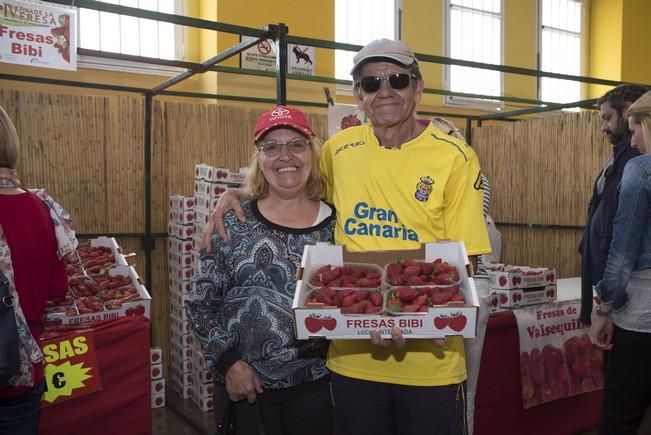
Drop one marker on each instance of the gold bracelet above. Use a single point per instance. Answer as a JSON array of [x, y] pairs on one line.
[[600, 312]]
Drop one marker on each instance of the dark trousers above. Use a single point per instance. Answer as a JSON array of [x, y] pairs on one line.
[[363, 407], [303, 409], [627, 388], [19, 414]]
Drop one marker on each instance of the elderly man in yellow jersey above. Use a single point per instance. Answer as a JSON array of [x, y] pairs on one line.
[[416, 185]]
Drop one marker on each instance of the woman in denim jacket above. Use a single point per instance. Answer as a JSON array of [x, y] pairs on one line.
[[623, 321]]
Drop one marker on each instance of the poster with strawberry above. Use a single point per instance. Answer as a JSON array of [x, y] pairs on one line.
[[557, 357], [62, 35]]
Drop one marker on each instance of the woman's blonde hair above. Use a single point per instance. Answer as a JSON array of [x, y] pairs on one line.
[[257, 187], [8, 141], [640, 113]]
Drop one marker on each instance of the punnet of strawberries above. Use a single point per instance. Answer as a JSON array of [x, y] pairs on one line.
[[408, 299], [415, 273], [350, 301], [347, 276]]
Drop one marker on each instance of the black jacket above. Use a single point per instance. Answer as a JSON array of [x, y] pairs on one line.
[[601, 212]]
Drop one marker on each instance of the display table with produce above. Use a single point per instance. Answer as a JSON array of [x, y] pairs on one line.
[[499, 402], [96, 348], [123, 405]]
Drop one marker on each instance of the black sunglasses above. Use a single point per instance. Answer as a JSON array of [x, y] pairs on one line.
[[396, 81]]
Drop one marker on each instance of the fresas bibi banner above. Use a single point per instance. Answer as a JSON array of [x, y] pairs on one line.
[[557, 358], [38, 34]]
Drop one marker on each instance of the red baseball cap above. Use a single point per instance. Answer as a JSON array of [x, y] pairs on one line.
[[282, 116]]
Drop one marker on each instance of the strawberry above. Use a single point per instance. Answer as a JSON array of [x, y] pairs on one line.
[[409, 262], [423, 309], [370, 309], [361, 295], [393, 269], [412, 270], [440, 299], [457, 298], [358, 308], [406, 294], [329, 323], [441, 267], [365, 283], [415, 280], [373, 275], [396, 280], [313, 324], [413, 308], [427, 268], [348, 301], [442, 279], [324, 298], [420, 300], [376, 298]]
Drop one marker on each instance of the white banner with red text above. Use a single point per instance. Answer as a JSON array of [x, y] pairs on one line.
[[38, 34], [557, 357]]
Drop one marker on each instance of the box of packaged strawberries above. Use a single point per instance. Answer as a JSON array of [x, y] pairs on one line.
[[427, 293]]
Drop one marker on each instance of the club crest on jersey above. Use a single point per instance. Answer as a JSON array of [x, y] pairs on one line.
[[424, 188]]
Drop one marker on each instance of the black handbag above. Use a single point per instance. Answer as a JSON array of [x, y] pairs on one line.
[[227, 424], [9, 341]]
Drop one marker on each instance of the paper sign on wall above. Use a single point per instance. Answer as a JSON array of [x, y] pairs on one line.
[[301, 59], [38, 34]]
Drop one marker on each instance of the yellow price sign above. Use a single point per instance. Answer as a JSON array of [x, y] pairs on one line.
[[70, 367]]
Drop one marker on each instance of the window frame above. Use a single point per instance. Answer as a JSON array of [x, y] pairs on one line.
[[127, 66], [347, 89], [465, 101], [582, 39]]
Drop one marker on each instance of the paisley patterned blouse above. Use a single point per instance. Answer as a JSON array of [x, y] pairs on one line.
[[240, 301]]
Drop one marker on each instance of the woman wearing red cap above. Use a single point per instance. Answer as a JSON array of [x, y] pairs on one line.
[[241, 296]]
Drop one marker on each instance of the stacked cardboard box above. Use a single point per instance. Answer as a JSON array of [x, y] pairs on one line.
[[188, 218], [181, 264], [157, 380], [517, 286]]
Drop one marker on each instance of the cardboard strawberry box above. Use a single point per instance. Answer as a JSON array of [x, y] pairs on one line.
[[180, 274], [158, 386], [158, 400], [201, 375], [322, 320], [182, 232], [155, 355], [182, 260], [178, 311], [182, 203], [181, 378], [203, 403], [183, 366], [179, 246], [511, 277], [209, 173], [198, 359], [183, 217], [139, 304], [184, 391], [179, 323], [156, 371], [514, 298], [180, 339], [204, 390]]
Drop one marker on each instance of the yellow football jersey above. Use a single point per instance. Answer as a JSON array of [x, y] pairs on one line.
[[429, 189]]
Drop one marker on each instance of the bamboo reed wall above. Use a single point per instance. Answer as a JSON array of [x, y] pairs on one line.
[[541, 172]]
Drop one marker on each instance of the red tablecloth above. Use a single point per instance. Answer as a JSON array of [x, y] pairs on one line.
[[498, 404], [124, 404]]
